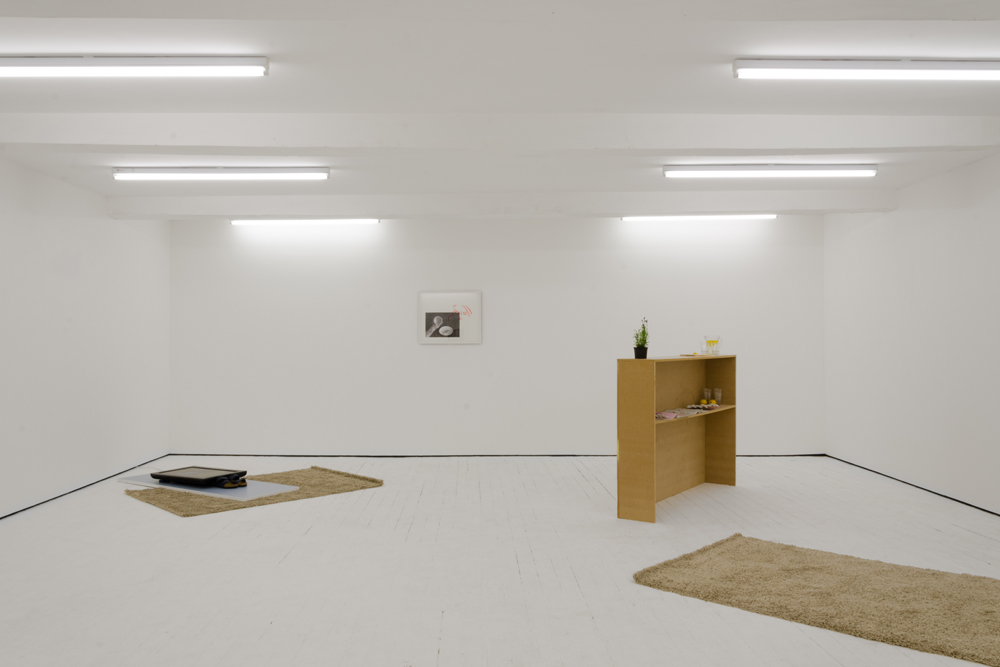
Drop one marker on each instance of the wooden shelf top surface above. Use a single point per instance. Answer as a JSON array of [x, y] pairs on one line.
[[700, 357], [705, 413]]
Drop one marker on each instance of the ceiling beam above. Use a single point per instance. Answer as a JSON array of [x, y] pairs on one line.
[[691, 133], [502, 205]]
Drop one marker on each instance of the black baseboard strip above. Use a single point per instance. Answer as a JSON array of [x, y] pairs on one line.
[[962, 502], [25, 509], [771, 456], [448, 456], [397, 456]]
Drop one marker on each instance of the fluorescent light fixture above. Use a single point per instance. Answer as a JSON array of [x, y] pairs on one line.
[[700, 217], [770, 171], [305, 222], [131, 66], [222, 174], [868, 70]]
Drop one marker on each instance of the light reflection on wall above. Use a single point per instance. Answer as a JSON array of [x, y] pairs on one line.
[[311, 236], [702, 234]]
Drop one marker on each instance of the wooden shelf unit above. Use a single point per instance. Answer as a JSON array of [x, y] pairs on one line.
[[656, 462]]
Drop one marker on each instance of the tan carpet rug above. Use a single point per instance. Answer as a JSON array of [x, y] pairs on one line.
[[312, 482], [956, 615]]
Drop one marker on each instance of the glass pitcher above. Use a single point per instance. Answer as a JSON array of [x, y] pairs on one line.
[[713, 345]]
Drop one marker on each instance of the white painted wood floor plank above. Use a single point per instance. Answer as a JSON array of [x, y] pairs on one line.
[[453, 562]]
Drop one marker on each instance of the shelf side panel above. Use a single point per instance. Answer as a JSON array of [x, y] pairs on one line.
[[636, 442]]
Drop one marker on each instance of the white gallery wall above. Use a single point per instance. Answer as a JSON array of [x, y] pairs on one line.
[[83, 339], [304, 341], [913, 310]]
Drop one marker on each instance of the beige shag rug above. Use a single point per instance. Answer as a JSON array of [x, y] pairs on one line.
[[312, 482], [956, 615]]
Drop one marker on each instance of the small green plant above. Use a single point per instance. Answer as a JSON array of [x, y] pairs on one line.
[[642, 335]]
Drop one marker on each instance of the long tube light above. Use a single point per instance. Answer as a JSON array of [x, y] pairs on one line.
[[771, 171], [132, 66], [305, 222], [700, 217], [221, 174], [868, 70]]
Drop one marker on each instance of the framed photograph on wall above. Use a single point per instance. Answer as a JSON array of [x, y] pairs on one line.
[[450, 318]]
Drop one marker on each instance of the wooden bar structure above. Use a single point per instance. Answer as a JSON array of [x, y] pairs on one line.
[[661, 458]]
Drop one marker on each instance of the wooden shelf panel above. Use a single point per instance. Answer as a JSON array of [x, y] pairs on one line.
[[721, 408], [700, 357]]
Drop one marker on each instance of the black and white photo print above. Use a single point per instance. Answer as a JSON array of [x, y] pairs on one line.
[[450, 318], [443, 325]]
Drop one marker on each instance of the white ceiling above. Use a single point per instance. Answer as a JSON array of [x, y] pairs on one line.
[[517, 108], [501, 67], [512, 10]]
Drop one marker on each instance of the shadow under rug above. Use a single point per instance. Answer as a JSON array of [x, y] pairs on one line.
[[312, 482], [956, 615]]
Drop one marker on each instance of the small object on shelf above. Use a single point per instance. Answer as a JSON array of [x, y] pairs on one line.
[[641, 338], [713, 402], [677, 413], [713, 345], [706, 394], [704, 402], [717, 395]]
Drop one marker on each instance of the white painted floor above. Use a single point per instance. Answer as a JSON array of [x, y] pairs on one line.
[[455, 561]]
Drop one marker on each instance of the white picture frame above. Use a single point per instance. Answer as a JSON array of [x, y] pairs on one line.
[[450, 318]]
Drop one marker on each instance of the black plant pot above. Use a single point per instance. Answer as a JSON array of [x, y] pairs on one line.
[[640, 352]]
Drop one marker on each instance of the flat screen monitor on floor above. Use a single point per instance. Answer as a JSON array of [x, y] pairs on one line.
[[198, 476]]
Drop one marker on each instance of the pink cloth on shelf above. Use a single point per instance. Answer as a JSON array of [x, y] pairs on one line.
[[666, 415]]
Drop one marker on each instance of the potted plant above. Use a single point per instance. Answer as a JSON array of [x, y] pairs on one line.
[[641, 340]]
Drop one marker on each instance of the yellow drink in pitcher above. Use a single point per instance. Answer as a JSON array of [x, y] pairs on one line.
[[712, 344]]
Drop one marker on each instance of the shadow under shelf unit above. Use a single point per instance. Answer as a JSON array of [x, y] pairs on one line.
[[661, 458]]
